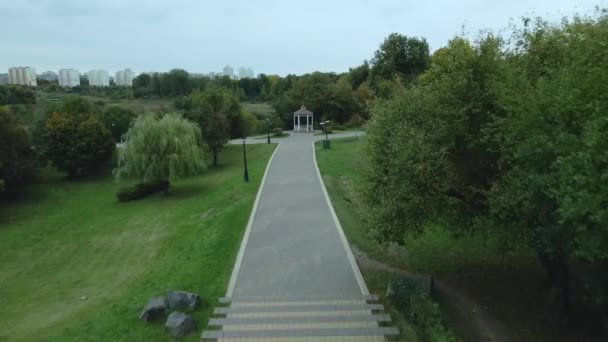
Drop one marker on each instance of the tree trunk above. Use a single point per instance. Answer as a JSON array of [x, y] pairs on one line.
[[215, 152], [558, 273]]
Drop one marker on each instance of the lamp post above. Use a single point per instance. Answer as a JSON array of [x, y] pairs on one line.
[[268, 128], [246, 174], [326, 142]]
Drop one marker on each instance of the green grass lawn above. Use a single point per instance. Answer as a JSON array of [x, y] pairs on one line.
[[65, 240], [508, 284], [259, 108]]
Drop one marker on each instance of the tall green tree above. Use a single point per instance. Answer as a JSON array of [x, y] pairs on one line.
[[211, 110], [400, 55], [160, 148]]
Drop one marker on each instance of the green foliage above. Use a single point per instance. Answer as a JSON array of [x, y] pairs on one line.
[[141, 190], [11, 95], [420, 309], [401, 56], [218, 113], [277, 132], [327, 95], [17, 159], [117, 120], [77, 143], [165, 148], [505, 137]]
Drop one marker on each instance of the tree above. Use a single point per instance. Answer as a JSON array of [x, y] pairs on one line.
[[160, 149], [217, 111], [117, 120], [400, 55], [17, 159], [77, 143], [508, 141]]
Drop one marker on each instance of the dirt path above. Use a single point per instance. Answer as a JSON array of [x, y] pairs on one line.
[[463, 314]]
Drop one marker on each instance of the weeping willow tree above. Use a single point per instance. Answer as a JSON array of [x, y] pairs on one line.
[[160, 149]]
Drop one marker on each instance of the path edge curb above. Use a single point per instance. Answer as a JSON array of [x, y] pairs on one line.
[[347, 249], [239, 258]]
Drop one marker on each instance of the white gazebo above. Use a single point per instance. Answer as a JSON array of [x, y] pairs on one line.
[[298, 125]]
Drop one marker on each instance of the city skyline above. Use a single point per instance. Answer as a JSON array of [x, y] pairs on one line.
[[271, 37]]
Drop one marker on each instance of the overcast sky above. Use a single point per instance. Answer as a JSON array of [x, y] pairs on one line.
[[273, 37]]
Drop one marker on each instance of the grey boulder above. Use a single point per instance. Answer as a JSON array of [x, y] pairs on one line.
[[180, 324], [181, 300], [154, 310]]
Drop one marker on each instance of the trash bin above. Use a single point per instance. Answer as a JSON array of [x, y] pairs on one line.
[[326, 144]]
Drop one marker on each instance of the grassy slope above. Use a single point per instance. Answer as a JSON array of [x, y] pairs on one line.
[[73, 239], [474, 264]]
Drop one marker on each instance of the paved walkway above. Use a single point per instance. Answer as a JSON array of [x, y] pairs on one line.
[[294, 247], [295, 278]]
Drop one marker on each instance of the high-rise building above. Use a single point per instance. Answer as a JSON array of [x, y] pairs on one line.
[[3, 78], [98, 78], [49, 76], [242, 72], [69, 78], [124, 77], [249, 72], [22, 75], [228, 71]]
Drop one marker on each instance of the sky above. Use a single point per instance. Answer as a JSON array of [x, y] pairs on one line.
[[273, 37]]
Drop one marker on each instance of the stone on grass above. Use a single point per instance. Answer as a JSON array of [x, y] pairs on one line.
[[180, 324], [154, 310], [181, 300]]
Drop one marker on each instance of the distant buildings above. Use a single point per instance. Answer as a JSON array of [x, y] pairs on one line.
[[22, 76], [3, 78], [124, 77], [48, 76], [69, 78], [228, 71], [98, 78], [245, 72]]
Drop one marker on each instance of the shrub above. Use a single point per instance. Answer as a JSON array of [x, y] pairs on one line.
[[338, 127], [355, 121], [141, 190], [17, 159], [277, 132], [420, 309], [77, 143]]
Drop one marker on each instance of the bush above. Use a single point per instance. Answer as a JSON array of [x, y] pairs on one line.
[[17, 158], [355, 121], [420, 309], [141, 190], [277, 132], [338, 127], [77, 143]]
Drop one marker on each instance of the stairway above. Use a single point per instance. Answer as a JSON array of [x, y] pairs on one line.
[[299, 319]]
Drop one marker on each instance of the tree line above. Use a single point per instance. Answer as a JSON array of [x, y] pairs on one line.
[[504, 135]]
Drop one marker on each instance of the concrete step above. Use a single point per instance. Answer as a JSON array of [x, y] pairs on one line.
[[298, 308], [226, 300], [311, 339], [295, 320], [292, 333]]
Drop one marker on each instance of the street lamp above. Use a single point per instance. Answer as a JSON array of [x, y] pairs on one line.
[[268, 128], [246, 175], [324, 127]]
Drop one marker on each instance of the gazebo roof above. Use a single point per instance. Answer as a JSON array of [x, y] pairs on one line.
[[302, 111]]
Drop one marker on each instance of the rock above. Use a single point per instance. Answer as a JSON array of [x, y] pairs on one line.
[[154, 310], [420, 282], [180, 300], [180, 324]]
